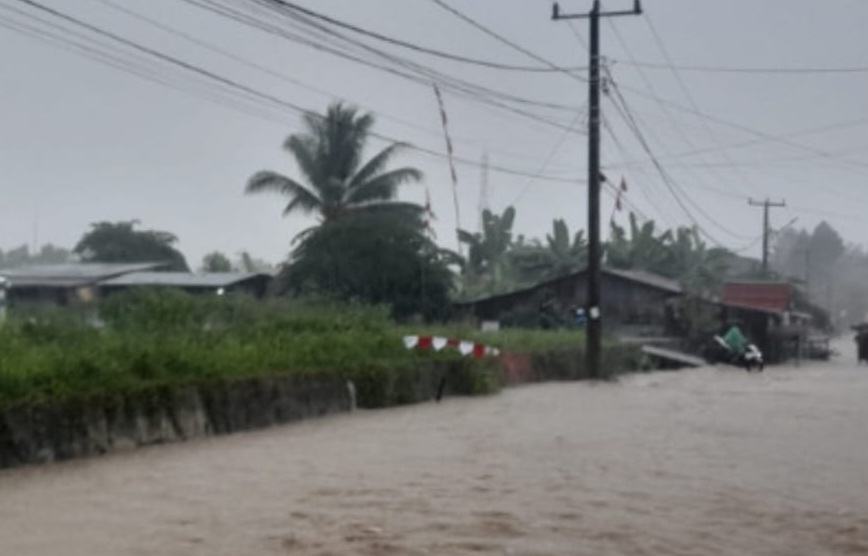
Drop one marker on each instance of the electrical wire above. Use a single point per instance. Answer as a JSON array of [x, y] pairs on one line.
[[554, 150], [287, 78], [663, 214], [747, 70], [266, 98], [411, 71], [687, 94], [411, 46], [624, 111], [500, 38], [743, 128]]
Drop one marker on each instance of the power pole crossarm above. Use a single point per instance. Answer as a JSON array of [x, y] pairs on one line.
[[595, 325], [766, 205]]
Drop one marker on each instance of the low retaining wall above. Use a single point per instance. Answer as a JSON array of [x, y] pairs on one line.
[[60, 430], [566, 364], [45, 432], [54, 431]]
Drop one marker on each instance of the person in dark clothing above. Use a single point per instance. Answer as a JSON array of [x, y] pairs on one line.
[[862, 344]]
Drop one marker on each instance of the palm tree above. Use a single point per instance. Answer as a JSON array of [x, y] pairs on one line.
[[335, 180]]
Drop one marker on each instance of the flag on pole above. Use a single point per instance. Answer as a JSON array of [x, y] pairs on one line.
[[621, 191], [619, 205]]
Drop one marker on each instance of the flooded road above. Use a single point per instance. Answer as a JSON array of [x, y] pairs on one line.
[[704, 462]]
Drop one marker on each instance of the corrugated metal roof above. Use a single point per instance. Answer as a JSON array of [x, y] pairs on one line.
[[70, 275], [770, 296], [638, 276], [181, 279], [647, 278]]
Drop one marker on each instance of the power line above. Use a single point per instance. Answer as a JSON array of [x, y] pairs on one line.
[[686, 91], [763, 135], [515, 46], [683, 135], [576, 120], [747, 70], [664, 215], [633, 124], [624, 112], [267, 98], [139, 67], [420, 74], [408, 45], [749, 143], [280, 75]]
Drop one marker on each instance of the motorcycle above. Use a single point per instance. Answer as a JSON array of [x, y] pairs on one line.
[[720, 352]]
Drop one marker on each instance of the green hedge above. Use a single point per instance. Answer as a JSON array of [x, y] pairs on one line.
[[158, 338]]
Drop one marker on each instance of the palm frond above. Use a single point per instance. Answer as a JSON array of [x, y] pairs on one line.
[[305, 151], [376, 165], [408, 213], [301, 198], [382, 187]]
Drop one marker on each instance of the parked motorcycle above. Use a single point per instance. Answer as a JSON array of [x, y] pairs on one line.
[[720, 352]]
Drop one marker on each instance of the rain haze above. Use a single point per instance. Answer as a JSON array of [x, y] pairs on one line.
[[418, 349], [82, 141]]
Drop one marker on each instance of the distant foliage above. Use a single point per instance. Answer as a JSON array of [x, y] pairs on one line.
[[47, 254], [832, 274], [216, 262], [121, 242]]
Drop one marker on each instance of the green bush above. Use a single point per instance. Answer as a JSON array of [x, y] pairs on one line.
[[155, 338]]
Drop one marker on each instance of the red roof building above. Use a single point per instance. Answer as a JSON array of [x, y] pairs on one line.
[[763, 296]]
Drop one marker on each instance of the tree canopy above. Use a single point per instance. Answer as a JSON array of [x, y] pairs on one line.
[[367, 245], [335, 180], [375, 259], [121, 242], [216, 262], [47, 254]]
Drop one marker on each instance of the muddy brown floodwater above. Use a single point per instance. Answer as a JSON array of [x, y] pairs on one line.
[[704, 462]]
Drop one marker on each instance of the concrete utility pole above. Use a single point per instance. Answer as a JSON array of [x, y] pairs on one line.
[[766, 230], [595, 324]]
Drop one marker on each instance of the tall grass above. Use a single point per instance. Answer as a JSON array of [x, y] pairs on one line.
[[151, 338]]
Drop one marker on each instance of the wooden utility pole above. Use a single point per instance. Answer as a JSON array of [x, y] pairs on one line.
[[766, 229], [595, 324]]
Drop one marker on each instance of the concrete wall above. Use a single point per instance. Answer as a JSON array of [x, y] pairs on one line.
[[60, 430], [45, 432]]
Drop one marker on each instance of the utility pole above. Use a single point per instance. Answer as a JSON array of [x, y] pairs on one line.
[[595, 323], [766, 206]]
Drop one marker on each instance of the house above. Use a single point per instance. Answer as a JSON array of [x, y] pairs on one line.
[[631, 301], [767, 312], [64, 284], [249, 283], [81, 283]]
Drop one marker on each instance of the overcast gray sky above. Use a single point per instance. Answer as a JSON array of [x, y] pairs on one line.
[[81, 141]]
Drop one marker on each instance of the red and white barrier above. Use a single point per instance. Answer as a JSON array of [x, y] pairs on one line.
[[438, 343]]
